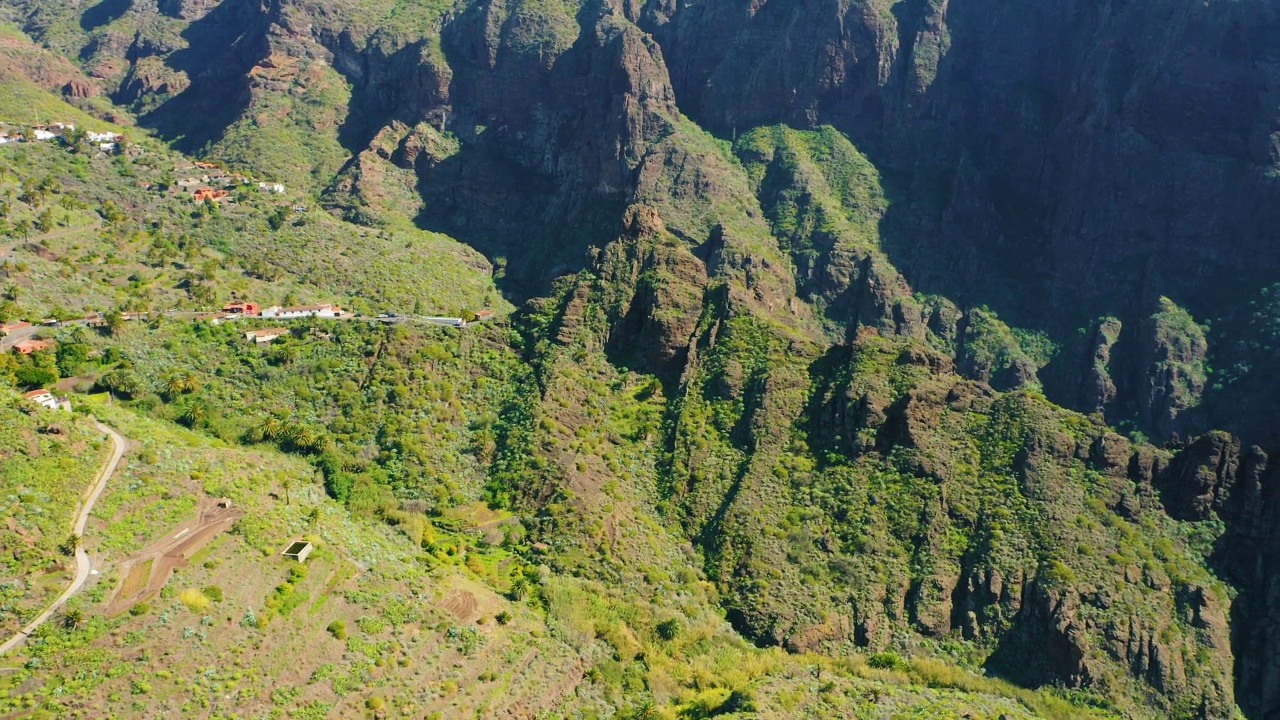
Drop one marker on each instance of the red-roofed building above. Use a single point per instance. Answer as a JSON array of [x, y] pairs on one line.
[[245, 308], [208, 193], [31, 345]]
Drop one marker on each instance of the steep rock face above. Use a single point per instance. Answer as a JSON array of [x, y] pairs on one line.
[[920, 536], [1053, 163], [654, 286]]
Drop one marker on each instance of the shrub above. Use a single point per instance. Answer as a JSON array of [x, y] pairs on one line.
[[887, 661], [375, 703], [503, 617], [139, 609], [195, 600], [669, 629], [338, 629], [214, 593]]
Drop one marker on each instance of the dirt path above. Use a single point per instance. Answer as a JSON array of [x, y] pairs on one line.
[[83, 563]]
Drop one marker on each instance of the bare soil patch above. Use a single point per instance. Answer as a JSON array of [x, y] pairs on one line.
[[157, 561]]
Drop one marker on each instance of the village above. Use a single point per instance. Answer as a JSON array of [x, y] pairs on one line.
[[200, 181]]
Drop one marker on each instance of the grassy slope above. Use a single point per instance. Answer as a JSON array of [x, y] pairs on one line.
[[42, 476]]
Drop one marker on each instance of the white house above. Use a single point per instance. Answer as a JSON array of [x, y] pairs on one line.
[[265, 335], [5, 139], [273, 187], [102, 137], [44, 135], [302, 311], [43, 398]]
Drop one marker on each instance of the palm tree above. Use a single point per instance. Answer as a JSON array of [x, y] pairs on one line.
[[286, 483], [73, 619], [193, 414]]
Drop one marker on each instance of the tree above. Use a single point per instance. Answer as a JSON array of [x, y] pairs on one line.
[[194, 414], [111, 213], [9, 311], [669, 629], [34, 376], [121, 383], [181, 384], [44, 221], [286, 483], [269, 429], [71, 356], [73, 619], [115, 322], [69, 544], [23, 228]]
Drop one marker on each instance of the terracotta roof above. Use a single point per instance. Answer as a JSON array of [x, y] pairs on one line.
[[29, 346], [36, 393]]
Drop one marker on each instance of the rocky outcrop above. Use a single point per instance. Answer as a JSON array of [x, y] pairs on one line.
[[1199, 481], [653, 287]]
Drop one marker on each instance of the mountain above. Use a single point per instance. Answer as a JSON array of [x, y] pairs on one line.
[[943, 329]]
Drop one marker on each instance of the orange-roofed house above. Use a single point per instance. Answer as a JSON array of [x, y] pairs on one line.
[[208, 193], [31, 345]]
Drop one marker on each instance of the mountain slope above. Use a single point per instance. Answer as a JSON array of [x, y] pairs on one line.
[[814, 350]]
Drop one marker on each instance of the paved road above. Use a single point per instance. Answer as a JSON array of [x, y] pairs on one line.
[[83, 564]]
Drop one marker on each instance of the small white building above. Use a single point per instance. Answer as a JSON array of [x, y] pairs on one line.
[[103, 137], [43, 398], [43, 135], [276, 188]]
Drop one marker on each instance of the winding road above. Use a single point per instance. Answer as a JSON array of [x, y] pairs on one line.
[[83, 564]]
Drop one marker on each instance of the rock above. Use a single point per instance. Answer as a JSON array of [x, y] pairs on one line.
[[1200, 477]]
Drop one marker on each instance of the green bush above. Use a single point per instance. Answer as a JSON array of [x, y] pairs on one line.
[[214, 593], [669, 629], [338, 629], [887, 661], [139, 609]]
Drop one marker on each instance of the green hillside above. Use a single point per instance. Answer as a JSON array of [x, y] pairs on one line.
[[726, 444]]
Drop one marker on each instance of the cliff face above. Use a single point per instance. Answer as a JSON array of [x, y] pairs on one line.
[[826, 281], [1060, 163]]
